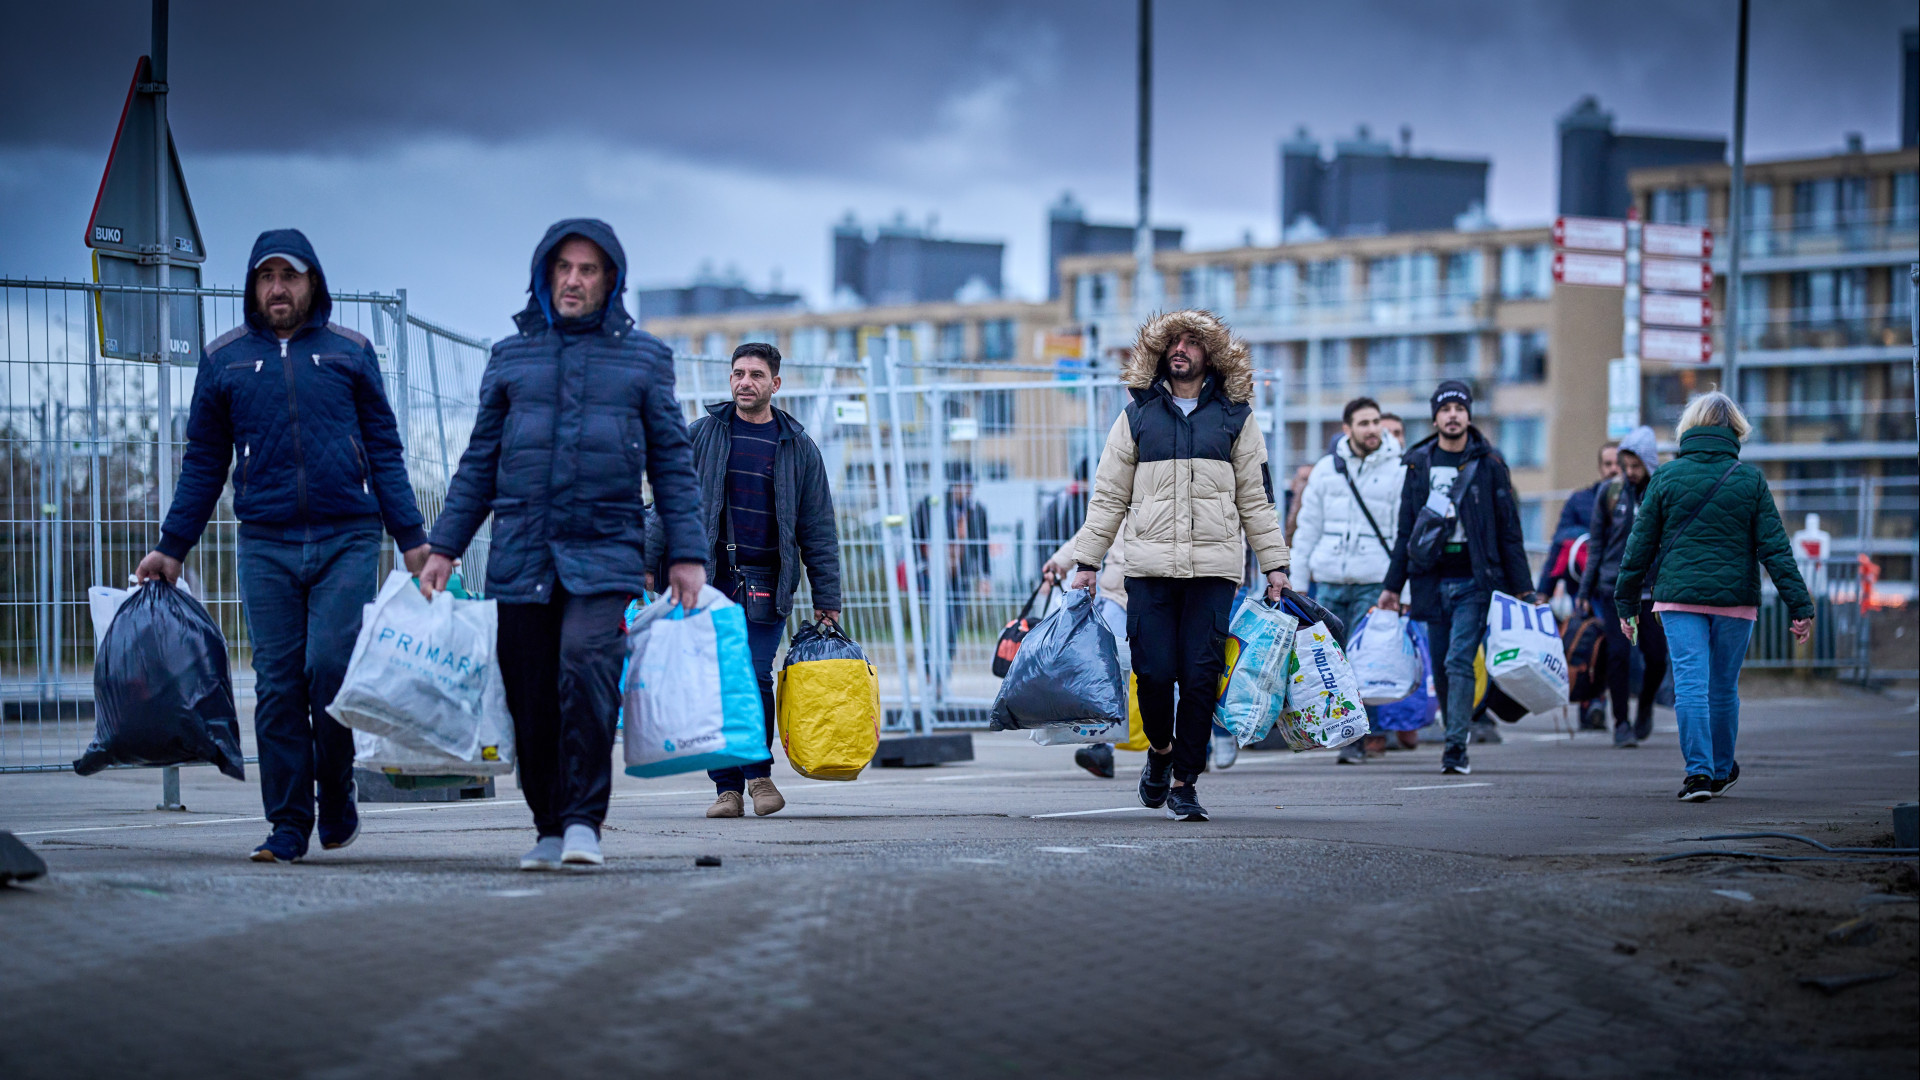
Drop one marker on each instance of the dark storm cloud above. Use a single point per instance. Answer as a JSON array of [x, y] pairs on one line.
[[822, 87]]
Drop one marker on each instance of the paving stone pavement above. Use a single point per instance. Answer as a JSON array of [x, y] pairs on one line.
[[1331, 921]]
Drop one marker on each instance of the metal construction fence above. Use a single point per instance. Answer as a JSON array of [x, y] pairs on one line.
[[89, 447], [953, 484]]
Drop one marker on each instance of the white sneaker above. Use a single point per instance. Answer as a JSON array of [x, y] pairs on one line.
[[544, 856], [1226, 751], [582, 847]]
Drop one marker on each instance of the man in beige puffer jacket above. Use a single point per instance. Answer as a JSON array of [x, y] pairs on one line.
[[1185, 472]]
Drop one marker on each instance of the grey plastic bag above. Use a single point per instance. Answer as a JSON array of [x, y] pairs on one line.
[[1067, 672]]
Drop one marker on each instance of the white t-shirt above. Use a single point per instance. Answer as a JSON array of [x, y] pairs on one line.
[[1187, 404]]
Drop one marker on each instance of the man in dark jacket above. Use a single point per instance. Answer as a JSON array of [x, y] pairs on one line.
[[1576, 517], [767, 511], [301, 403], [1480, 549], [573, 410], [969, 556], [1613, 515]]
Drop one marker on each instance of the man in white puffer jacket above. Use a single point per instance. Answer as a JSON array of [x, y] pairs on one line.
[[1342, 551]]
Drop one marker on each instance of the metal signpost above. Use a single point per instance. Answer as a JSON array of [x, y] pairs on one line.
[[1605, 252]]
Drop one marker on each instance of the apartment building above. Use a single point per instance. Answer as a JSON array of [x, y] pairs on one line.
[[1388, 317], [1825, 326]]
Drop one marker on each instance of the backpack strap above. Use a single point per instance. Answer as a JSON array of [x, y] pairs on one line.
[[1340, 467]]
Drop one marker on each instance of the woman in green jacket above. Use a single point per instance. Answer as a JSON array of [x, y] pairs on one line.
[[1705, 526]]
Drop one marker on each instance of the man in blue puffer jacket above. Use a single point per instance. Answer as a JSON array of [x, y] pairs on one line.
[[573, 410], [300, 402]]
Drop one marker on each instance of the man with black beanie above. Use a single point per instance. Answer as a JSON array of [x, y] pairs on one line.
[[1470, 545]]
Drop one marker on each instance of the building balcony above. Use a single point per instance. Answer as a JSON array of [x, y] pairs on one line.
[[1883, 327], [1817, 241]]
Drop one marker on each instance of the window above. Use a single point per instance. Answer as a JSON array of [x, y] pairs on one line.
[[682, 345], [1679, 206], [996, 412], [996, 339], [809, 345], [1521, 441], [1526, 271], [1399, 361], [1906, 199], [1463, 275], [1816, 204], [1523, 356], [1533, 521], [1813, 296], [843, 349], [1758, 223], [1326, 281], [1456, 357], [998, 470], [952, 343], [1274, 287]]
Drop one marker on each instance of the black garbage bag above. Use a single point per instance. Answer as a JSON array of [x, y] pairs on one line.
[[161, 692], [1310, 611], [1066, 672]]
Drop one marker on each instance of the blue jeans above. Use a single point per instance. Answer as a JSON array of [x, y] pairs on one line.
[[1707, 651], [303, 604], [763, 640], [1462, 625]]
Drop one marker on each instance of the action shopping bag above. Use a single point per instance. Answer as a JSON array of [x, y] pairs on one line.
[[424, 673], [692, 701], [1418, 709], [829, 707], [1384, 656], [1523, 653], [1067, 672], [1253, 692], [161, 690], [1323, 698]]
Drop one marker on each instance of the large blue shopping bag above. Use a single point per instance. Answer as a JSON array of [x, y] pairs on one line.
[[691, 702]]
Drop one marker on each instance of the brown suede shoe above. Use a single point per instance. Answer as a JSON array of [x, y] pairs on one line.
[[727, 805], [1408, 739], [1375, 745], [766, 798]]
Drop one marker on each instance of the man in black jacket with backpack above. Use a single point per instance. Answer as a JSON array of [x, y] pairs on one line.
[[1459, 540]]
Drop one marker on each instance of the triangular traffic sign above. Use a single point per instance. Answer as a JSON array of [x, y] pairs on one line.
[[123, 218]]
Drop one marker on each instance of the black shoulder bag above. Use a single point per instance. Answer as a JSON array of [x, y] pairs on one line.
[[1666, 545], [1340, 467], [754, 584], [1427, 543]]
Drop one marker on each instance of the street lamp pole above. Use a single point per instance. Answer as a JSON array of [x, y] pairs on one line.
[[1736, 213], [1143, 275]]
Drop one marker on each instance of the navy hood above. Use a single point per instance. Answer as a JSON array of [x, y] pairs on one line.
[[293, 242], [601, 234]]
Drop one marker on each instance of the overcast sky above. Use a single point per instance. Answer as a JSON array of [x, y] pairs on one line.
[[427, 146]]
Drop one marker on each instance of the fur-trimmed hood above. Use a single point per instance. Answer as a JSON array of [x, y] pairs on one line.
[[1227, 355]]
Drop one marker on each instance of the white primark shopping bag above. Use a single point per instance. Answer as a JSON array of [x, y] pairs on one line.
[[492, 756], [1524, 653], [1385, 659], [421, 671], [692, 701]]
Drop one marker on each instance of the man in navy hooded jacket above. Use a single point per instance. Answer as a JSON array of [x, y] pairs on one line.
[[299, 402], [573, 410]]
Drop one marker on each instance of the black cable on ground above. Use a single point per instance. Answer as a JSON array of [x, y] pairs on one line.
[[1781, 858], [1809, 840]]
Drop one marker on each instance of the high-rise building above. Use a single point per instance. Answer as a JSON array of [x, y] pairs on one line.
[[901, 263], [1595, 159], [1369, 189], [1910, 87], [1070, 233]]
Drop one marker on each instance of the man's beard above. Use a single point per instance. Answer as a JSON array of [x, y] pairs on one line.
[[296, 315]]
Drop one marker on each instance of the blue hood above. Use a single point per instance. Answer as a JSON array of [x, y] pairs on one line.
[[293, 242], [601, 234]]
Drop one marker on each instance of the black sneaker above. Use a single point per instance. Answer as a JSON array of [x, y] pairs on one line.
[[1624, 738], [1720, 787], [1593, 717], [1096, 759], [1454, 762], [1156, 776], [1486, 731], [1698, 788], [1643, 727], [1352, 754], [1184, 805]]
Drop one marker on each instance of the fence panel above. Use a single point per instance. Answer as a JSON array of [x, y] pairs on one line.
[[80, 483]]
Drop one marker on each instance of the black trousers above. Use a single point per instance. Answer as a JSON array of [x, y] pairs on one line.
[[1653, 653], [561, 664], [1177, 628]]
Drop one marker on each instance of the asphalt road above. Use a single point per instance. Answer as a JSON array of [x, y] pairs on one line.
[[1012, 916]]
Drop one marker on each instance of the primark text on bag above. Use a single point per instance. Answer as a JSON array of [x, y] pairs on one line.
[[424, 674], [1524, 655]]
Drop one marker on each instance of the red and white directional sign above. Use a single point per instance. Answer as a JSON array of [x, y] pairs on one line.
[[1676, 275], [1665, 309], [1580, 268], [1680, 241], [1590, 234], [1677, 346]]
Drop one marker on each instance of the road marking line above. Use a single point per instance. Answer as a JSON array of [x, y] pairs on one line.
[[148, 825], [980, 776], [1135, 847], [1741, 895], [1065, 850], [983, 862], [514, 894], [1442, 787], [1084, 813]]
